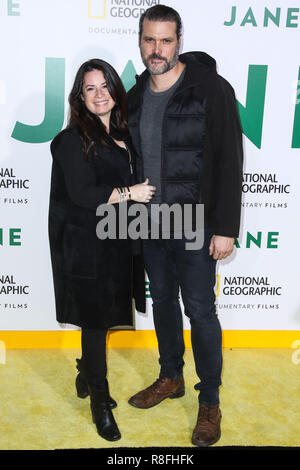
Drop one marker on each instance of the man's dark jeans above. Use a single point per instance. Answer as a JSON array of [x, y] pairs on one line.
[[169, 267]]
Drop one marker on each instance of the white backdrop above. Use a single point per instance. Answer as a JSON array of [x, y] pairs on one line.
[[257, 51]]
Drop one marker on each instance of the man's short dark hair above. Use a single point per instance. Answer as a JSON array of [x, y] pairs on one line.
[[161, 13]]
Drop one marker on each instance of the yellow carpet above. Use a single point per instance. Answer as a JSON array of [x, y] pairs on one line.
[[260, 399]]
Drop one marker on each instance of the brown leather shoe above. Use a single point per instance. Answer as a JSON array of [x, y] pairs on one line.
[[207, 430], [162, 388]]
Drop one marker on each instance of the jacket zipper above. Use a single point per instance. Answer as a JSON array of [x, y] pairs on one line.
[[162, 188], [130, 160]]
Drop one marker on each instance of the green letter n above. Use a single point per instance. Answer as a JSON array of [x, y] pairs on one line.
[[54, 106], [296, 130], [253, 113]]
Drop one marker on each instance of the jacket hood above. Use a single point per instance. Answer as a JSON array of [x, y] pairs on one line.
[[198, 58]]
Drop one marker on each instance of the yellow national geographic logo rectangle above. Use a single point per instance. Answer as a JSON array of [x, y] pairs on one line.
[[97, 9], [2, 353], [218, 279]]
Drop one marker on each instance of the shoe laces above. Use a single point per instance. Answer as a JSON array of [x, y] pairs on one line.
[[156, 384], [204, 413]]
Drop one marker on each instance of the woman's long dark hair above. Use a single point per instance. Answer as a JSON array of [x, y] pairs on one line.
[[89, 125]]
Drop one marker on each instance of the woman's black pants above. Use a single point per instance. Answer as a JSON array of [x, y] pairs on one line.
[[93, 344]]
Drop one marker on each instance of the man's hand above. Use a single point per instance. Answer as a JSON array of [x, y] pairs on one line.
[[220, 247]]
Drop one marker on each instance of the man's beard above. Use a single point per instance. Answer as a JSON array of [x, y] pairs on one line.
[[165, 68]]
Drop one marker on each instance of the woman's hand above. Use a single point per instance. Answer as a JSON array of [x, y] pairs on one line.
[[142, 192]]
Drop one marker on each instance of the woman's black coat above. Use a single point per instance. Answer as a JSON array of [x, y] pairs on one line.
[[94, 280]]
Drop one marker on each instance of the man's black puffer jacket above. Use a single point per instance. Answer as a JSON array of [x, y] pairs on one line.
[[202, 151]]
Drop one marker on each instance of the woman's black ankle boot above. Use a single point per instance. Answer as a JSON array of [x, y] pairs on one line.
[[82, 386], [102, 415], [111, 402]]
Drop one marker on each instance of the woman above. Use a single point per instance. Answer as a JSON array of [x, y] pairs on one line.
[[94, 279]]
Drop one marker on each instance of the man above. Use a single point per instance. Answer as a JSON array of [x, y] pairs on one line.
[[184, 124]]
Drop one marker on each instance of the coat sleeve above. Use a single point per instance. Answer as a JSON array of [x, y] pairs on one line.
[[78, 173], [227, 144]]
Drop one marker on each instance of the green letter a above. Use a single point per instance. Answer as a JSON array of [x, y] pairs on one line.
[[128, 76]]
